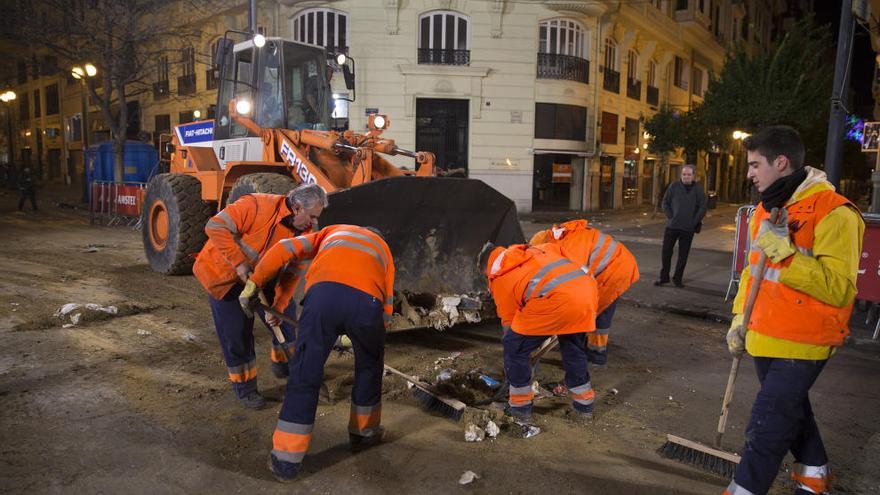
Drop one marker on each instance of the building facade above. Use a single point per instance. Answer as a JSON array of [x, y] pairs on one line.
[[541, 100]]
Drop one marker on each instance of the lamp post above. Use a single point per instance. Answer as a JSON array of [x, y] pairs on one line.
[[739, 137], [80, 74], [7, 98]]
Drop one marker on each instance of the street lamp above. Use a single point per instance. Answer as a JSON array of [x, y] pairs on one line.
[[81, 73], [7, 98], [197, 114]]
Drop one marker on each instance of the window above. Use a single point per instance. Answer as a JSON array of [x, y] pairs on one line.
[[652, 95], [632, 66], [211, 73], [658, 4], [22, 72], [185, 117], [52, 103], [652, 73], [37, 111], [682, 72], [681, 5], [698, 81], [24, 106], [443, 38], [186, 83], [611, 55], [73, 128], [609, 128], [562, 37], [322, 27], [555, 121], [160, 87], [163, 123], [631, 132]]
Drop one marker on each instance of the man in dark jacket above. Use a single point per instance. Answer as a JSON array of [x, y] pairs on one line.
[[685, 205], [28, 188]]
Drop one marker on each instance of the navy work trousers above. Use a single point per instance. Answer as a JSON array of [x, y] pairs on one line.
[[236, 333], [782, 420]]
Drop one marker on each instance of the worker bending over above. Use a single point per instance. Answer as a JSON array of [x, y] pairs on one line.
[[801, 312], [237, 237], [349, 290], [539, 292], [610, 263]]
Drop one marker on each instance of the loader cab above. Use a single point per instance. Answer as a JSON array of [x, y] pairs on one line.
[[286, 82]]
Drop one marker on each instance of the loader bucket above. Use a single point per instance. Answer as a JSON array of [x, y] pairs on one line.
[[435, 228]]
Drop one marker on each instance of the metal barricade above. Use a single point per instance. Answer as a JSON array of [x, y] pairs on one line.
[[868, 281], [116, 204], [740, 247]]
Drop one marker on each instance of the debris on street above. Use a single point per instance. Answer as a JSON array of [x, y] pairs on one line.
[[468, 477]]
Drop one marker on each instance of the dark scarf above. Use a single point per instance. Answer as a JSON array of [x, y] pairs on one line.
[[780, 191], [688, 187]]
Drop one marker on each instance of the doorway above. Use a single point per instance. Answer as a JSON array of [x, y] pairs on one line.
[[442, 129], [552, 182], [606, 182]]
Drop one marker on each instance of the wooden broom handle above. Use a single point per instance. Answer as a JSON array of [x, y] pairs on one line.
[[756, 277]]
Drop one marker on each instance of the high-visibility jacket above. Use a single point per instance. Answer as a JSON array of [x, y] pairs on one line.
[[538, 291], [345, 254], [791, 305], [240, 233], [610, 262]]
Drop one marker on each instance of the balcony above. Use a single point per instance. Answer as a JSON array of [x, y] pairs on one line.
[[160, 90], [186, 85], [653, 96], [633, 88], [611, 81], [567, 67], [439, 56]]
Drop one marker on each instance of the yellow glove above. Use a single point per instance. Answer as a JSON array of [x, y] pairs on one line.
[[249, 298], [774, 239], [736, 336]]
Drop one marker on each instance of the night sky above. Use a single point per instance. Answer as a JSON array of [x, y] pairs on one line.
[[862, 68]]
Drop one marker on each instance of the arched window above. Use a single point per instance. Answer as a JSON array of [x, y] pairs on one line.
[[444, 38], [563, 37], [611, 61], [652, 73], [632, 66], [322, 27]]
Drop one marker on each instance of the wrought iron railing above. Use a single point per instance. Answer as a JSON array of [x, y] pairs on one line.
[[653, 95], [611, 81], [633, 88], [554, 66], [186, 85], [441, 56]]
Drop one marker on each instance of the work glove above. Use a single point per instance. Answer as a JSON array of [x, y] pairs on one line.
[[249, 298], [736, 336], [774, 239]]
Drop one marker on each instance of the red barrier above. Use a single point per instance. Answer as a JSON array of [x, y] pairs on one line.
[[868, 282], [740, 246], [117, 203]]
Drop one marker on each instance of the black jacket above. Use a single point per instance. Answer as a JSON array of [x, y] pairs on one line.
[[684, 209]]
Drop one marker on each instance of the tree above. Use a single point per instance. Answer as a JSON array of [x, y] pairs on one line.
[[665, 128], [126, 40], [788, 83]]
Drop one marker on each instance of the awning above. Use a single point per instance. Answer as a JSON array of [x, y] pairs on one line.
[[582, 154]]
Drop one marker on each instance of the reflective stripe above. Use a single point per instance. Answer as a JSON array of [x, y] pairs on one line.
[[597, 348], [612, 247], [354, 245], [363, 237], [293, 457], [243, 372], [497, 264], [772, 274], [386, 317], [521, 396], [505, 329], [307, 244], [248, 251], [278, 355], [734, 489], [297, 428], [539, 275], [805, 251], [561, 279], [596, 248], [810, 471], [230, 225], [214, 224], [602, 331]]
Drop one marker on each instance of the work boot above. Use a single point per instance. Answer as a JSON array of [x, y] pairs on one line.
[[285, 472], [520, 413], [658, 283], [678, 283], [280, 370], [253, 400], [359, 443]]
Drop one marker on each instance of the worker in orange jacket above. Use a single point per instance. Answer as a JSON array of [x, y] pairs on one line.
[[539, 292], [610, 263], [349, 290], [237, 238]]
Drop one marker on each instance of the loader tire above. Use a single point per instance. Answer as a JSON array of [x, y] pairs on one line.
[[267, 183], [173, 222]]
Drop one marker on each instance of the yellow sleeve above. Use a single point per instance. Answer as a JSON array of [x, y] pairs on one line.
[[830, 274], [739, 302]]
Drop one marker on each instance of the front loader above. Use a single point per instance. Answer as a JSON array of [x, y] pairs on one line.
[[272, 131]]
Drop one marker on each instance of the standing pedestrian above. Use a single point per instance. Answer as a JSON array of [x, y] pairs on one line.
[[685, 206], [28, 188], [801, 312]]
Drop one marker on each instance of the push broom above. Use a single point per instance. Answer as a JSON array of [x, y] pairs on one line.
[[704, 457], [430, 399]]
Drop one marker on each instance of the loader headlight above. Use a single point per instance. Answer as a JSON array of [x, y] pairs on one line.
[[243, 107], [341, 59], [378, 122], [259, 41]]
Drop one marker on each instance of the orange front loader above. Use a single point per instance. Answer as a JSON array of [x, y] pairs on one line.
[[270, 140]]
